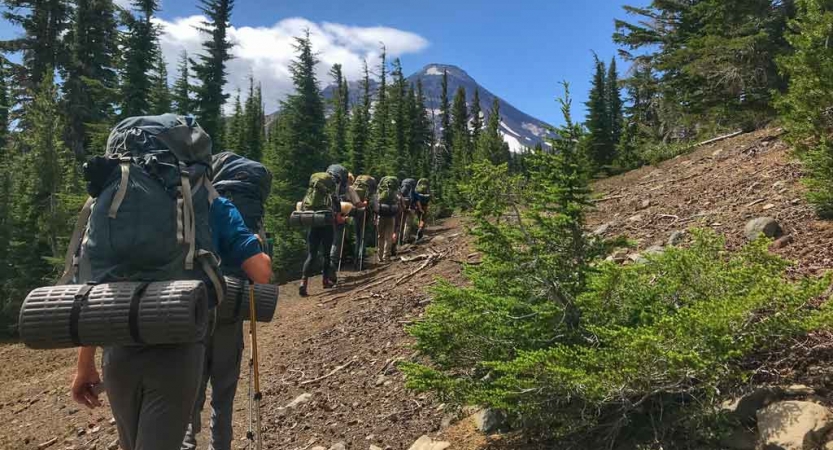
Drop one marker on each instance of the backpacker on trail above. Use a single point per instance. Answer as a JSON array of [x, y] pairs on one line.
[[247, 184], [316, 208], [407, 190], [365, 186], [387, 200], [147, 218]]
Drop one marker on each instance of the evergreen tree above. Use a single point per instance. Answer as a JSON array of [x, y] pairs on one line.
[[252, 135], [210, 69], [599, 143], [360, 127], [5, 106], [375, 163], [236, 132], [160, 93], [43, 23], [490, 145], [476, 119], [181, 95], [445, 127], [139, 55], [396, 157], [613, 99], [423, 131], [461, 143], [90, 77], [339, 116]]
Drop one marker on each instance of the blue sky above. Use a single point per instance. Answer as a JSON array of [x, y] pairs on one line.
[[519, 50]]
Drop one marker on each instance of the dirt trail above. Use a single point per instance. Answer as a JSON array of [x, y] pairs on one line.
[[358, 329]]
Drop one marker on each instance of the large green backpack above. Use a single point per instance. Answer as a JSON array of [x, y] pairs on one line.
[[423, 187], [147, 218], [322, 186], [365, 186], [388, 188]]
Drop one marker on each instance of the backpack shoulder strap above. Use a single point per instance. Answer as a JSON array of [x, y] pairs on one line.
[[71, 258], [119, 197]]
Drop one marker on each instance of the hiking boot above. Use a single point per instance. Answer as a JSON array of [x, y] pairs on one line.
[[420, 234], [328, 284], [302, 289]]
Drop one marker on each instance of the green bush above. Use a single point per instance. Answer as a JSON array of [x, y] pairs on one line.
[[586, 351]]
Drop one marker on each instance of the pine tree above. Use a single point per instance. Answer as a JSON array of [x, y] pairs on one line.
[[599, 144], [423, 130], [5, 106], [139, 55], [43, 23], [461, 144], [445, 119], [613, 98], [375, 162], [360, 127], [252, 137], [476, 119], [210, 69], [90, 77], [236, 132], [160, 93], [396, 157], [181, 95], [490, 145], [339, 116]]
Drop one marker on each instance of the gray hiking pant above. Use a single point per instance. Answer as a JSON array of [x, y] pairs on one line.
[[335, 251], [151, 391], [223, 355]]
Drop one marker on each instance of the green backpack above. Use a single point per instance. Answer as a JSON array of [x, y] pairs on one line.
[[322, 186], [388, 188], [365, 186], [423, 186]]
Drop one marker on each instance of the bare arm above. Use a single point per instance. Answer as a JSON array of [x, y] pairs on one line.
[[86, 376], [258, 268]]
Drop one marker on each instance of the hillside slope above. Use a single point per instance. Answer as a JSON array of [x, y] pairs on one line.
[[341, 347]]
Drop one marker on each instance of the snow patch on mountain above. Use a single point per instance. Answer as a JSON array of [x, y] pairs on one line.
[[515, 145], [433, 70]]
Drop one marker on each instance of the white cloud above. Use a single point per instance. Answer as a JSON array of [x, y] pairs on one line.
[[266, 52], [124, 3]]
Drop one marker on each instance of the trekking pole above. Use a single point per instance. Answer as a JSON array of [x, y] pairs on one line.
[[254, 433], [361, 243], [341, 251]]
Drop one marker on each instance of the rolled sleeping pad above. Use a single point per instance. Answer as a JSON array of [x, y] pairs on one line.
[[236, 304], [112, 314], [387, 210], [311, 219]]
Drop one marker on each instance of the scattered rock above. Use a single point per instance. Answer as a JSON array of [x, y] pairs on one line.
[[448, 420], [299, 400], [602, 229], [795, 201], [654, 250], [637, 258], [489, 420], [441, 239], [645, 204], [767, 226], [114, 445], [782, 242], [768, 206], [426, 443], [318, 447], [373, 447], [740, 439], [339, 446], [676, 238], [793, 425], [380, 380], [636, 218]]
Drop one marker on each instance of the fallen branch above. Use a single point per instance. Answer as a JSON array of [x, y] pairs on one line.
[[415, 258], [419, 269], [607, 199], [48, 443], [370, 286], [333, 372], [760, 200], [719, 138]]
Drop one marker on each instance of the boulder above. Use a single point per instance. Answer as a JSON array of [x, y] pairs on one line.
[[602, 229], [793, 425], [676, 238], [745, 408], [767, 226], [426, 443], [489, 420]]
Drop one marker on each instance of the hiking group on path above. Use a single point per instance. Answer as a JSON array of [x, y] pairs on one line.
[[335, 197], [169, 225]]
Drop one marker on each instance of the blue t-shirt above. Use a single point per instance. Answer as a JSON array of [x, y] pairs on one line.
[[233, 241]]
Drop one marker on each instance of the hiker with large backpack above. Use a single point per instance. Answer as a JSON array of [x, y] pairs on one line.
[[386, 205], [247, 185], [347, 194], [322, 201], [407, 213], [420, 198], [365, 188], [153, 215]]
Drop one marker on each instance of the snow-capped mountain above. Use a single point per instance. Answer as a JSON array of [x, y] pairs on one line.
[[519, 129]]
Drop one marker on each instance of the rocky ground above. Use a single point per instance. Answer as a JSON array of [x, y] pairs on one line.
[[329, 361]]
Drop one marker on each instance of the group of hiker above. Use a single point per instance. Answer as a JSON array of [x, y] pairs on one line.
[[396, 211], [164, 208]]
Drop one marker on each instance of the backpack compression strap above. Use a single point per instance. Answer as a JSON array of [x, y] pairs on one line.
[[71, 258], [119, 197]]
